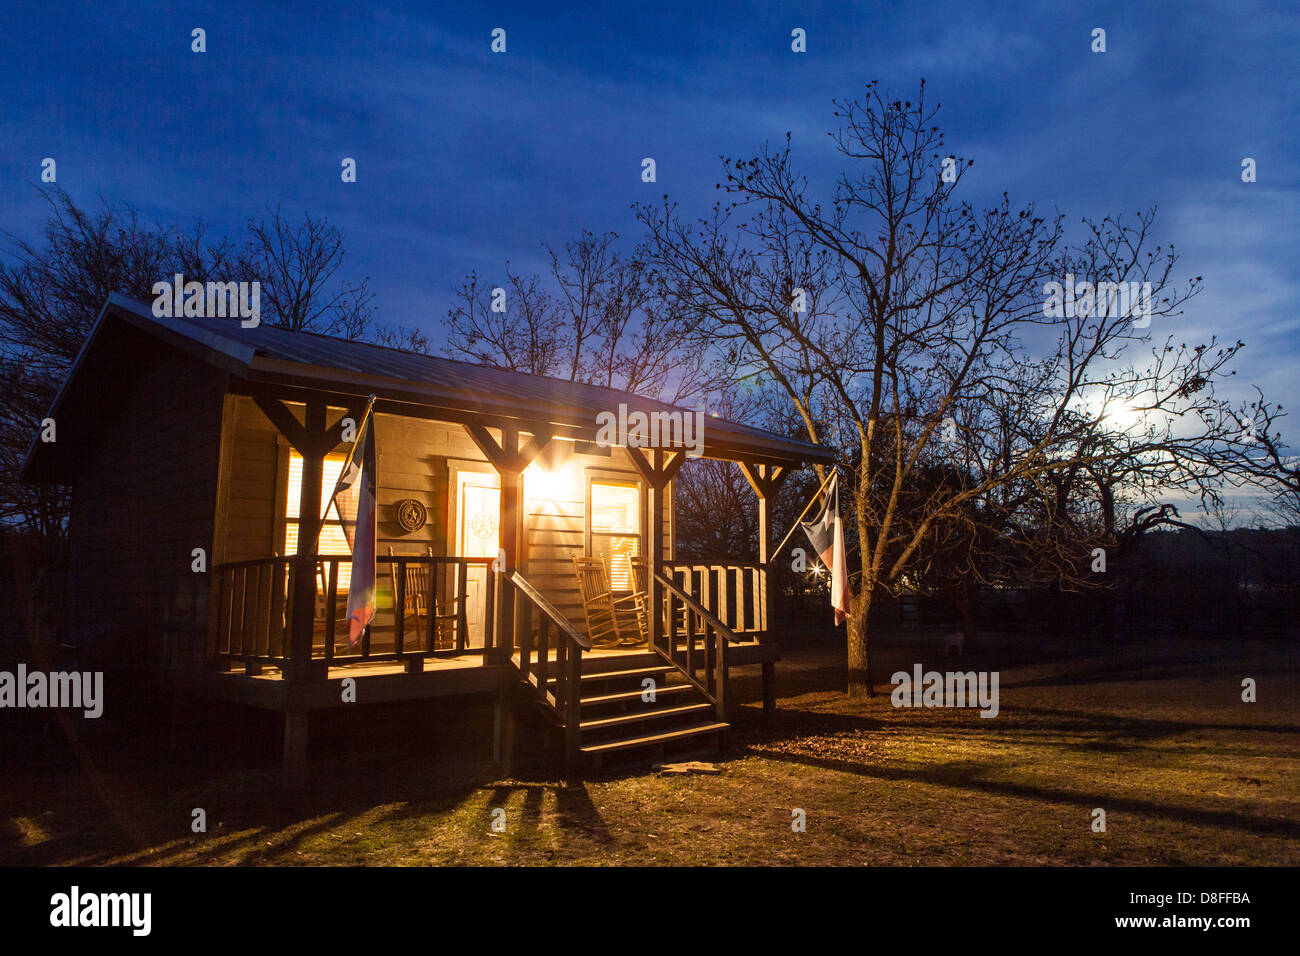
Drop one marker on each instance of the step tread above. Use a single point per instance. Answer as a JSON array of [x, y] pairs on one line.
[[602, 722], [630, 742], [635, 672], [636, 694]]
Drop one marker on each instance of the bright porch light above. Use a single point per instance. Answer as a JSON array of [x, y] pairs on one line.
[[543, 484]]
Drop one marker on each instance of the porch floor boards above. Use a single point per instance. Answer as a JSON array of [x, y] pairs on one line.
[[385, 681]]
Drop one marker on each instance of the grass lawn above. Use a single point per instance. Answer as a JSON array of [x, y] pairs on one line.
[[1158, 737]]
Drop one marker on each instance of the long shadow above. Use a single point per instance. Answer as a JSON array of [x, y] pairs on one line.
[[1109, 675], [88, 831], [530, 814], [575, 808], [960, 776], [792, 724], [1143, 727]]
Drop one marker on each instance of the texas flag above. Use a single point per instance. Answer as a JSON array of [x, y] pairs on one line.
[[826, 532], [354, 500]]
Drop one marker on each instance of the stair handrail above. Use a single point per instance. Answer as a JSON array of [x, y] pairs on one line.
[[723, 636], [550, 610], [564, 701]]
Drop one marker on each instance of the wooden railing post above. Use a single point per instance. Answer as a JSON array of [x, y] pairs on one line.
[[331, 606], [573, 711], [543, 653], [491, 640], [397, 574], [723, 691], [304, 584]]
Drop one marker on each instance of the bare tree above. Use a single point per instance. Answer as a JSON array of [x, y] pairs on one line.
[[52, 291], [515, 326], [297, 267], [403, 337], [1263, 460], [596, 317], [894, 309]]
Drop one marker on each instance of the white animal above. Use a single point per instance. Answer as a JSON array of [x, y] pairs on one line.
[[954, 643]]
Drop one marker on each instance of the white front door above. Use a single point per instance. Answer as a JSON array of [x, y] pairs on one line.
[[478, 535]]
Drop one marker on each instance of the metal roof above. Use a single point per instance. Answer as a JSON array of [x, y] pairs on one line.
[[277, 356]]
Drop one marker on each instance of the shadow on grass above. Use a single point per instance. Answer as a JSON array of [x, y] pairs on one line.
[[1026, 725], [267, 825], [965, 776]]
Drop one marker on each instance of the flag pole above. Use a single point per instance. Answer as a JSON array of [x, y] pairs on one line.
[[811, 502], [365, 418]]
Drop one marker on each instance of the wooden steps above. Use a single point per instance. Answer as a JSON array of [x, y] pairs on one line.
[[640, 673], [631, 696], [680, 734], [615, 719], [656, 714]]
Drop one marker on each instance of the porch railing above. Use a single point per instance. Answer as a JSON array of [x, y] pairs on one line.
[[735, 594], [425, 607]]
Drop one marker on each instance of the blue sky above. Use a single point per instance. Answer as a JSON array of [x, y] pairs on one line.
[[467, 158]]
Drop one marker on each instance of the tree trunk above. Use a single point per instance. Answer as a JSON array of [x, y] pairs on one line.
[[966, 609], [860, 682]]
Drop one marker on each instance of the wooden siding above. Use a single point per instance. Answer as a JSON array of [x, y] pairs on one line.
[[143, 497]]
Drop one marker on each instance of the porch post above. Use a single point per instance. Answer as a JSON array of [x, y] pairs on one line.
[[313, 441], [657, 470], [511, 525], [293, 773], [510, 458], [656, 556], [768, 606], [766, 480], [304, 581]]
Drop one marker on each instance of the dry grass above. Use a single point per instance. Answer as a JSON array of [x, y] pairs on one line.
[[1187, 774]]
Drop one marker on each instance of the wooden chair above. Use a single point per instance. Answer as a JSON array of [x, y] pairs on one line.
[[641, 582], [641, 578], [448, 614], [601, 607], [340, 608]]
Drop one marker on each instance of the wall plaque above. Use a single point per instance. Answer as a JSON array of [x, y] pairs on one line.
[[411, 514]]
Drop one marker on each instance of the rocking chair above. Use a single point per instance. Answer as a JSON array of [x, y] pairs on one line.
[[603, 609]]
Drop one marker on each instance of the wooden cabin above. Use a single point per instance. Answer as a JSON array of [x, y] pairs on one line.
[[199, 454]]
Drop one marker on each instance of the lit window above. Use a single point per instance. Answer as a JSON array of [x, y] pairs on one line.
[[615, 529], [333, 542]]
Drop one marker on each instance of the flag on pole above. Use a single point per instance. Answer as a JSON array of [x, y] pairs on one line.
[[826, 533], [354, 502]]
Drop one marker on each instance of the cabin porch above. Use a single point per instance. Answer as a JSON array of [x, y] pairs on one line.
[[208, 555], [479, 595]]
